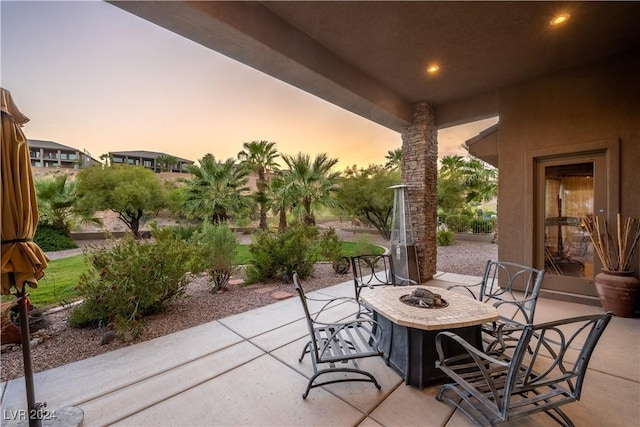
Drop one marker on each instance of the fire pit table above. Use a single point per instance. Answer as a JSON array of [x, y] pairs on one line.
[[409, 327]]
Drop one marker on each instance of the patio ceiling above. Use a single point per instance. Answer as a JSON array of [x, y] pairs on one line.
[[371, 57]]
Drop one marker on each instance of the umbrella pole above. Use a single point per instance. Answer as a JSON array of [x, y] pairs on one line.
[[32, 407]]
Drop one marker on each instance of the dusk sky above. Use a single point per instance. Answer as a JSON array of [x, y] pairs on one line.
[[94, 77]]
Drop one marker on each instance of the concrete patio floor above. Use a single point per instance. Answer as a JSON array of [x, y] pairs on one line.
[[244, 370]]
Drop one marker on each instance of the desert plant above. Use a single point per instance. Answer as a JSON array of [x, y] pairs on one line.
[[131, 280], [458, 223], [329, 247], [445, 237], [280, 254], [482, 226], [51, 237], [217, 247], [183, 232]]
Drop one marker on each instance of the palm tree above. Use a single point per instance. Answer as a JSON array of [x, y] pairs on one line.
[[394, 159], [217, 189], [481, 181], [260, 157], [461, 181], [452, 167], [57, 203], [165, 162], [312, 183], [281, 196]]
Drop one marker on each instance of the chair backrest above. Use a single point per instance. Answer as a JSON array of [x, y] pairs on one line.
[[551, 360], [514, 285], [372, 270], [303, 300]]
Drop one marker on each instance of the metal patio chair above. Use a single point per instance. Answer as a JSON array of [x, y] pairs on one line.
[[334, 345], [370, 271], [545, 371], [513, 289]]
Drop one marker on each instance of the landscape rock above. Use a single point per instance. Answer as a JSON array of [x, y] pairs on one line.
[[107, 337], [281, 295]]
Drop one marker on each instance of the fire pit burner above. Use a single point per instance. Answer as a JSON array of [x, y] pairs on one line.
[[424, 298]]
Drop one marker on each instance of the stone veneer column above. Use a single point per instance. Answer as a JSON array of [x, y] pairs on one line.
[[419, 174]]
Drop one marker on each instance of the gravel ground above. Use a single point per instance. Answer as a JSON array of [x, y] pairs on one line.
[[59, 345]]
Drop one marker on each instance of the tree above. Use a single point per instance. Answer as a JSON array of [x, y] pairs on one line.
[[452, 167], [165, 162], [130, 191], [394, 159], [260, 157], [106, 159], [282, 197], [57, 201], [451, 194], [481, 181], [366, 194], [313, 184], [217, 189], [461, 181]]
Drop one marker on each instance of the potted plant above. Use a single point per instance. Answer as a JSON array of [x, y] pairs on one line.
[[616, 285]]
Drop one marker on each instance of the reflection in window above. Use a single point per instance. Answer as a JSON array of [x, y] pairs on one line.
[[569, 194]]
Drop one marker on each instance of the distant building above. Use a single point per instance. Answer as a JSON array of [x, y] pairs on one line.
[[150, 160], [49, 154]]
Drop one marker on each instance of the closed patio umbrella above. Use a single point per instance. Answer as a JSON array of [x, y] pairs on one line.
[[23, 262]]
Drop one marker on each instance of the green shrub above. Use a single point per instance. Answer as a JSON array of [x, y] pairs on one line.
[[445, 237], [280, 254], [217, 248], [329, 246], [182, 232], [458, 223], [132, 280], [482, 226], [52, 238]]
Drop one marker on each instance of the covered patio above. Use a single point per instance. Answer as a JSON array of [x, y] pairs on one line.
[[244, 370], [560, 76]]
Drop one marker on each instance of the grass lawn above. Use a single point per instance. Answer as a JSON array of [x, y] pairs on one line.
[[58, 284], [61, 276]]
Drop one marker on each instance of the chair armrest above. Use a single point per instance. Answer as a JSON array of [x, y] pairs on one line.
[[466, 288], [520, 308], [478, 373], [476, 355]]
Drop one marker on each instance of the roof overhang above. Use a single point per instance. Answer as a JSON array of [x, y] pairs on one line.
[[370, 57]]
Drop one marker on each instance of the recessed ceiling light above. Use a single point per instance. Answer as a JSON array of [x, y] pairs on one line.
[[559, 19], [431, 69]]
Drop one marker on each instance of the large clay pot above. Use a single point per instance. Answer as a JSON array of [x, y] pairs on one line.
[[618, 292]]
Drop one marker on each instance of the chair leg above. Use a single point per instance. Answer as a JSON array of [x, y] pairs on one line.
[[305, 350], [370, 378], [561, 418], [467, 409]]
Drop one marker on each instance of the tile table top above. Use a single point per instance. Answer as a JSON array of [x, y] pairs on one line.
[[462, 310]]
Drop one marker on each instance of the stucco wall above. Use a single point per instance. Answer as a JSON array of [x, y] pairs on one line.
[[574, 107]]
